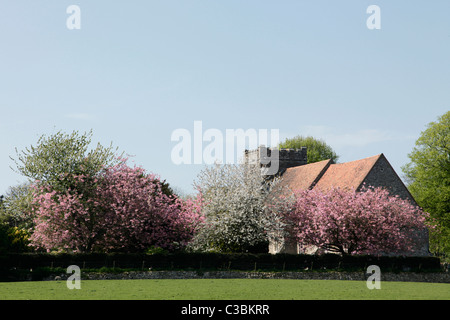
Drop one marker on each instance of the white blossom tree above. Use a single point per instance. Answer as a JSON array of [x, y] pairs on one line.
[[234, 202]]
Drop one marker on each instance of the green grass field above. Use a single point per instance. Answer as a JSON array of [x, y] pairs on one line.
[[222, 289]]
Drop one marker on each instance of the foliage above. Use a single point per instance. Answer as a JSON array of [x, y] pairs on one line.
[[350, 222], [233, 198], [57, 159], [77, 197], [16, 206], [125, 210], [428, 175], [13, 239], [155, 250], [317, 149]]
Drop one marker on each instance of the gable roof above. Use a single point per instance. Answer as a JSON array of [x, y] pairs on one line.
[[348, 175], [325, 175], [304, 177]]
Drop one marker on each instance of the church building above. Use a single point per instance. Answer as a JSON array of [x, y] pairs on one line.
[[297, 174]]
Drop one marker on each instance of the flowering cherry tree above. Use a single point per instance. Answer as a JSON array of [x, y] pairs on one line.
[[122, 209], [369, 222]]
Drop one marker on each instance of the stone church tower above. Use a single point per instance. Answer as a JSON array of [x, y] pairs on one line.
[[276, 159]]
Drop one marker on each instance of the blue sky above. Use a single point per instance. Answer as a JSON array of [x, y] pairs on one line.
[[138, 70]]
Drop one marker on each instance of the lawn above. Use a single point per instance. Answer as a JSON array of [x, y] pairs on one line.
[[222, 289]]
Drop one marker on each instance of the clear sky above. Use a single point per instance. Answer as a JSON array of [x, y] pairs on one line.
[[138, 70]]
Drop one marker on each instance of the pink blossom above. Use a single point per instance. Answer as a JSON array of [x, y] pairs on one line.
[[369, 222], [123, 209]]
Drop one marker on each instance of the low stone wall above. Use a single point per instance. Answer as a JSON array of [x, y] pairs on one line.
[[441, 277]]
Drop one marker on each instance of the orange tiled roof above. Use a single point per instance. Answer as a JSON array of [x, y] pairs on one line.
[[325, 175], [305, 176], [348, 175]]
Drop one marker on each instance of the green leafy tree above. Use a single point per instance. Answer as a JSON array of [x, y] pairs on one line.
[[13, 239], [57, 159], [428, 178], [2, 205], [16, 206], [317, 149]]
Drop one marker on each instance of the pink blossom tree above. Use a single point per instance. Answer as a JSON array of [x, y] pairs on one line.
[[350, 222], [122, 209]]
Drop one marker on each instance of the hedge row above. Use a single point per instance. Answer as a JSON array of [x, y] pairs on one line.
[[217, 261]]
